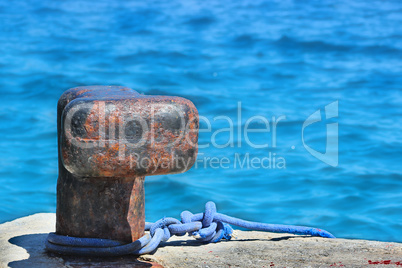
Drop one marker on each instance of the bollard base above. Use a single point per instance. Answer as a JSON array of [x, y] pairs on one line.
[[100, 207]]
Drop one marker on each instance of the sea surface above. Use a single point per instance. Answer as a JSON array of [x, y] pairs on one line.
[[272, 59]]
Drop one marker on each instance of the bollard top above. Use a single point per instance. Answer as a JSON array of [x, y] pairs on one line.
[[113, 131]]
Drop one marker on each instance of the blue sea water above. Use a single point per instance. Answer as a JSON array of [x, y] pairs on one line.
[[278, 58]]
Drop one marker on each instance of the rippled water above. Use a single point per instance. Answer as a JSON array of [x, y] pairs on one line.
[[277, 58]]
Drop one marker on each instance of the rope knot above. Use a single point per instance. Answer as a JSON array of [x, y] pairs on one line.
[[212, 230]]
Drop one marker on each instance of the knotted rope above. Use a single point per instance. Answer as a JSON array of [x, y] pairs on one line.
[[207, 227]]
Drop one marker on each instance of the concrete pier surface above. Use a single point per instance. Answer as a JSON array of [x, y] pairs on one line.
[[22, 245]]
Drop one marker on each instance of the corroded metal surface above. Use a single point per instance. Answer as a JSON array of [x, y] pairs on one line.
[[101, 207], [110, 138], [139, 134]]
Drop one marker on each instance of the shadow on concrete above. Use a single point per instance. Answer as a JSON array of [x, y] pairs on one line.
[[287, 237], [34, 244], [196, 243]]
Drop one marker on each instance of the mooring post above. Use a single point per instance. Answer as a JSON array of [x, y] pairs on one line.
[[109, 139]]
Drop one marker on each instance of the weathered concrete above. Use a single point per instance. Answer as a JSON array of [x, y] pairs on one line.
[[22, 245]]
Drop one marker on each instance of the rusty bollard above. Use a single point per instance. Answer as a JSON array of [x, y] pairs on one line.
[[110, 138]]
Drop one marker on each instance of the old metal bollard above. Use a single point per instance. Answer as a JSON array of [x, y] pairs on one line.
[[110, 138]]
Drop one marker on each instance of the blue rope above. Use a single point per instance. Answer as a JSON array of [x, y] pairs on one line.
[[206, 227]]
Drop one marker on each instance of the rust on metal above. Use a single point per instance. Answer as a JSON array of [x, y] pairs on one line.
[[110, 138]]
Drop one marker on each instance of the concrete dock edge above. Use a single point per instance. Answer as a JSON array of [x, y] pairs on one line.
[[22, 245]]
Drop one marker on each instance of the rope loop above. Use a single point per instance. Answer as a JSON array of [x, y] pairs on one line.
[[207, 227]]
